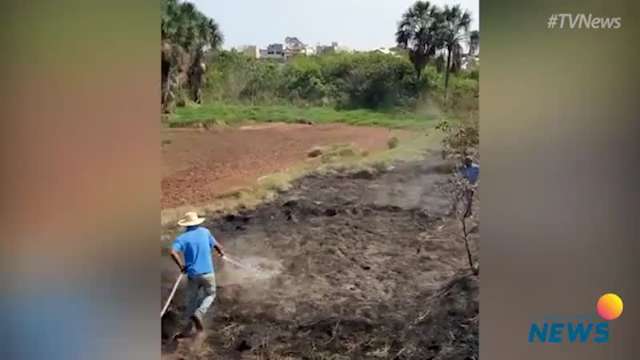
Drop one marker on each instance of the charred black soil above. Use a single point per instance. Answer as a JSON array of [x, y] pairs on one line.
[[349, 265]]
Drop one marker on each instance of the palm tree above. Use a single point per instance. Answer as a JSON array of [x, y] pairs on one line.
[[454, 29], [186, 33], [168, 21], [457, 58], [211, 34], [474, 42], [418, 33], [168, 29], [166, 58], [208, 38]]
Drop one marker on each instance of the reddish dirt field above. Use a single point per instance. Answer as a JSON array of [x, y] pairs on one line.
[[200, 165]]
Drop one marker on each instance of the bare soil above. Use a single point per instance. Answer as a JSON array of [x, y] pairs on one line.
[[350, 265], [201, 164]]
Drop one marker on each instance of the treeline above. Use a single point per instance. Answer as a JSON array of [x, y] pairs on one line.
[[434, 44], [344, 80]]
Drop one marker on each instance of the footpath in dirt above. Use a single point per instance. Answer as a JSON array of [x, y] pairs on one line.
[[350, 265]]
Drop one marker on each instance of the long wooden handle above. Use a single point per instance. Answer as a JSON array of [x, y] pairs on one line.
[[173, 292]]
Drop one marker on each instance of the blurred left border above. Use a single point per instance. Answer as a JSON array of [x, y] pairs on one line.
[[80, 180]]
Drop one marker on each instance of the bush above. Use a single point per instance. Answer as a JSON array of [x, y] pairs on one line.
[[372, 80], [463, 95], [461, 137], [361, 80]]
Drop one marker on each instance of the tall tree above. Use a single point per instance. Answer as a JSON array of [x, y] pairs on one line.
[[455, 28], [168, 25], [186, 33], [457, 57], [474, 42], [418, 32]]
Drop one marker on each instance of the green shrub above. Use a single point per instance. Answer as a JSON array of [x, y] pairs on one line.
[[360, 80]]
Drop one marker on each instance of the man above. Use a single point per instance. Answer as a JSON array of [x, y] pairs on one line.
[[196, 244], [471, 172]]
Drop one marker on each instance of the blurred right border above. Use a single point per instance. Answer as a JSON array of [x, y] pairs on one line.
[[559, 137]]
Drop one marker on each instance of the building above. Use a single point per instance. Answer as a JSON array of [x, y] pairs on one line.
[[293, 43], [333, 48], [251, 51], [273, 52], [275, 49], [293, 47], [326, 49], [383, 50], [341, 48], [388, 51]]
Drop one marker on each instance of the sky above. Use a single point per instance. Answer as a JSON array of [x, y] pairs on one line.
[[357, 24]]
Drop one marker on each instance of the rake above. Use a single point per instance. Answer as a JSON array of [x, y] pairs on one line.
[[175, 285], [173, 292]]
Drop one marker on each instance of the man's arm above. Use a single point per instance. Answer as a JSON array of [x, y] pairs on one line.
[[218, 249], [177, 259], [214, 244]]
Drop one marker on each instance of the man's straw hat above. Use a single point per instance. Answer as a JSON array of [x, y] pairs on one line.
[[190, 219]]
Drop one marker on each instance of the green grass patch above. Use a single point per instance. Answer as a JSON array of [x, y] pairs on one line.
[[236, 113]]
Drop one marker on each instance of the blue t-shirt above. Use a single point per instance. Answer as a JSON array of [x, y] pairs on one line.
[[196, 244], [471, 173]]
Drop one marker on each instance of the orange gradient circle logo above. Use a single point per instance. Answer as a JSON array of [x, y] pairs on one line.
[[609, 306]]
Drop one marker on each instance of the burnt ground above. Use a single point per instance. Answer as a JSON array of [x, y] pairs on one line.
[[353, 265]]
